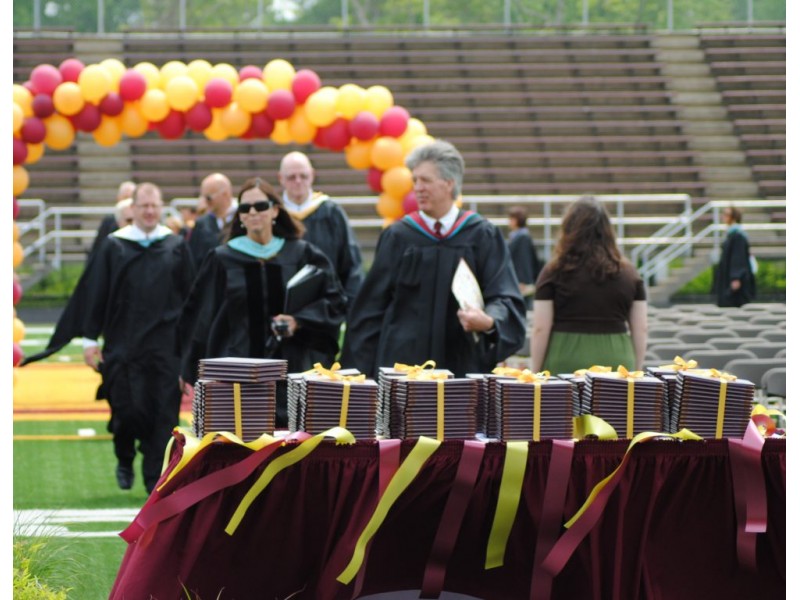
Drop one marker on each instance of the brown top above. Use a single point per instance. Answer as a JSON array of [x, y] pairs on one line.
[[582, 305]]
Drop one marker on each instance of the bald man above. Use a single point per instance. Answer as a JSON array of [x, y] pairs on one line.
[[212, 228], [325, 221], [119, 219]]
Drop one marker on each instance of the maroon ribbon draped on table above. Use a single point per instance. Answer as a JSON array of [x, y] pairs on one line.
[[669, 530]]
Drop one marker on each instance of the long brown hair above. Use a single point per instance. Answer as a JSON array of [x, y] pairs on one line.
[[285, 225], [587, 241]]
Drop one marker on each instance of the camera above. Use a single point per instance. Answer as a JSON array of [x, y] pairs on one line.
[[281, 328]]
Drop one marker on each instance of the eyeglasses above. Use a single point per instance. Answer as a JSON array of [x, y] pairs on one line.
[[296, 176], [260, 206]]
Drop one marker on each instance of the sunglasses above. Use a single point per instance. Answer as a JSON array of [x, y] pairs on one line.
[[260, 206]]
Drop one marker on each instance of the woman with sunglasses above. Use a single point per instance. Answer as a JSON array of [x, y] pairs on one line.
[[237, 306]]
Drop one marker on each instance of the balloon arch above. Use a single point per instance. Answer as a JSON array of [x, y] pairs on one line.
[[277, 102]]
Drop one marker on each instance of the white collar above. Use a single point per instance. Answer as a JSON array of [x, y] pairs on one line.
[[228, 214], [307, 203], [134, 234], [447, 220]]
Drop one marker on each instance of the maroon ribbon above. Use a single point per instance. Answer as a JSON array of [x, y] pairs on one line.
[[555, 493], [749, 493], [456, 507]]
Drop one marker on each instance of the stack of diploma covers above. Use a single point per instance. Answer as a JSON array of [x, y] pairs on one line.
[[670, 379], [445, 409], [316, 403], [487, 413], [236, 395], [712, 404], [630, 404], [388, 410], [578, 382], [527, 413]]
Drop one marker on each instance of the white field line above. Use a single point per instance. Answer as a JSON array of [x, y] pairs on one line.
[[66, 522]]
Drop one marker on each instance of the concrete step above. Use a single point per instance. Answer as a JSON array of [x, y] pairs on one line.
[[686, 70], [704, 113], [709, 127], [721, 158], [697, 98], [727, 174], [675, 40], [714, 143], [680, 55], [693, 84], [727, 189]]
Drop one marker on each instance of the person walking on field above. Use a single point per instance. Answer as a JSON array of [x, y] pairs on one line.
[[734, 281]]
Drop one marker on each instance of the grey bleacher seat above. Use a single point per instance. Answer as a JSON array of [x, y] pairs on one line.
[[650, 358], [772, 320], [747, 330], [701, 336], [733, 343], [669, 351], [717, 359], [774, 335], [773, 382], [781, 353], [764, 349], [753, 369], [775, 307], [661, 333]]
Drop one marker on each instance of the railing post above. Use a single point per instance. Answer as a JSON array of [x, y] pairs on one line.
[[57, 259], [548, 238]]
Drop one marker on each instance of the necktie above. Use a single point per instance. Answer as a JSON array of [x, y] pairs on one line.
[[437, 229]]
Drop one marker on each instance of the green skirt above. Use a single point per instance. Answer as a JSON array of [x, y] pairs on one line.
[[568, 352]]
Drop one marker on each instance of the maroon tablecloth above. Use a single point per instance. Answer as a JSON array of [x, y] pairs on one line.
[[668, 531]]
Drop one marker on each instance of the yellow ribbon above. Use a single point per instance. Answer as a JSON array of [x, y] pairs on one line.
[[592, 369], [723, 393], [342, 436], [440, 410], [631, 376], [683, 434], [409, 369], [237, 409], [760, 409], [345, 405], [332, 374], [678, 364], [507, 502], [537, 409], [507, 371], [586, 425], [407, 472], [527, 376]]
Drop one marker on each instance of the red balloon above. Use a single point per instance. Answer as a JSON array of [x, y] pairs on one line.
[[319, 138], [132, 85], [88, 119], [16, 207], [198, 117], [18, 354], [249, 72], [33, 130], [261, 126], [218, 93], [280, 105], [46, 78], [305, 83], [364, 126], [337, 135], [112, 104], [17, 291], [20, 151], [410, 203], [70, 69], [28, 85], [173, 126], [43, 106], [394, 121], [374, 179]]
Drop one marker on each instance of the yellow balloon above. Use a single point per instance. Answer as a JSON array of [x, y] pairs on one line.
[[200, 71], [154, 105], [182, 92], [357, 154], [19, 254], [150, 72], [109, 132], [59, 132], [95, 82], [300, 128], [131, 120], [170, 70], [386, 153], [235, 120], [390, 207], [421, 140], [21, 179], [116, 69], [35, 152], [19, 331], [24, 98], [321, 106], [397, 182], [16, 232], [227, 72], [19, 117], [379, 100], [278, 74], [281, 134], [67, 98], [251, 95], [216, 132], [414, 129], [351, 100]]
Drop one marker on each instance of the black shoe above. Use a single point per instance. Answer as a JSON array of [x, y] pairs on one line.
[[124, 477]]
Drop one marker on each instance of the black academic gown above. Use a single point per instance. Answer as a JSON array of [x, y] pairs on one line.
[[132, 296], [523, 257], [206, 236], [405, 311], [107, 226], [327, 228], [234, 297], [734, 263]]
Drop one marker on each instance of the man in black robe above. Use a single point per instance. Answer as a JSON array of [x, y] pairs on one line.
[[406, 312], [734, 281], [523, 253], [212, 228], [131, 294], [325, 221]]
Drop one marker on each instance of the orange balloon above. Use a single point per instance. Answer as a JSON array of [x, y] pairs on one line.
[[19, 254], [60, 132], [387, 152], [16, 232], [397, 182], [109, 132], [321, 106], [390, 207], [68, 99], [131, 120], [300, 128], [235, 120], [216, 132], [154, 105], [281, 134], [357, 155], [19, 117], [24, 99], [35, 152], [19, 331], [21, 179]]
